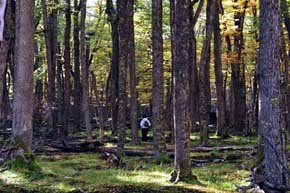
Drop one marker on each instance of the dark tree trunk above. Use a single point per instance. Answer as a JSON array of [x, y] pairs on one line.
[[157, 77], [204, 76], [133, 78], [194, 80], [85, 68], [122, 6], [77, 80], [67, 67], [113, 19], [238, 75], [51, 47], [219, 80], [270, 117], [182, 163], [59, 85], [170, 98], [23, 85]]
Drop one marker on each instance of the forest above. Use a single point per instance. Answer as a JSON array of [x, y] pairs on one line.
[[144, 96]]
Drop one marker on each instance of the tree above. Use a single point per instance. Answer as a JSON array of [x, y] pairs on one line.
[[114, 74], [204, 76], [23, 86], [50, 34], [219, 80], [85, 68], [77, 80], [133, 78], [5, 45], [270, 117], [67, 66], [122, 7], [182, 163], [157, 74]]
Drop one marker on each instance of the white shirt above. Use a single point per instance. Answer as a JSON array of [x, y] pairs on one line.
[[143, 123]]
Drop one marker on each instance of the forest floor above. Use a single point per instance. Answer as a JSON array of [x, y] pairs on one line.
[[221, 167]]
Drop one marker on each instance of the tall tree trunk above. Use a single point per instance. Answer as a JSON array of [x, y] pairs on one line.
[[219, 80], [23, 86], [194, 80], [169, 110], [60, 89], [133, 78], [238, 75], [204, 76], [77, 80], [50, 42], [84, 65], [113, 19], [182, 163], [270, 117], [67, 66], [157, 74], [122, 6]]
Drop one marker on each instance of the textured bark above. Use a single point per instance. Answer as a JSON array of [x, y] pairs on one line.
[[157, 77], [77, 80], [169, 108], [270, 117], [204, 75], [219, 80], [23, 85], [60, 90], [133, 78], [113, 19], [50, 34], [194, 86], [67, 67], [238, 75], [182, 164], [84, 67], [2, 19], [122, 7]]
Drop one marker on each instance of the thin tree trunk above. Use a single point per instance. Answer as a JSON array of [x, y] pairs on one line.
[[67, 66], [113, 19], [23, 86], [157, 74], [84, 66], [133, 78], [77, 80], [219, 80], [204, 76]]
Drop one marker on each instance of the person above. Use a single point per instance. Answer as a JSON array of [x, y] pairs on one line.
[[145, 125]]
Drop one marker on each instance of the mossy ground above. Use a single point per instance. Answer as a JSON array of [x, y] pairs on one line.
[[88, 172]]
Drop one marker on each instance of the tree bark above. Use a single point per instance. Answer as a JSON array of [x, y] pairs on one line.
[[113, 19], [77, 80], [157, 77], [50, 42], [219, 80], [84, 66], [204, 76], [122, 7], [238, 75], [23, 85], [182, 164], [67, 67], [270, 117], [133, 78]]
